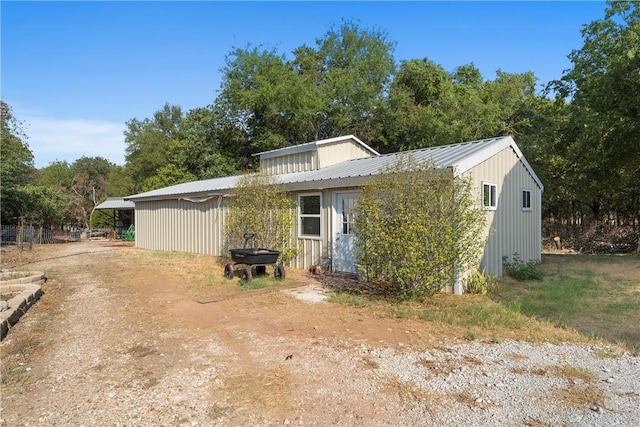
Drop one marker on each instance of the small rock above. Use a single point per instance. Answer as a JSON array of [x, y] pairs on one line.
[[111, 394], [609, 380], [286, 422], [596, 409], [179, 400], [479, 400]]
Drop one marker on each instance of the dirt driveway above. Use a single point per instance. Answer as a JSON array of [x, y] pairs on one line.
[[118, 342]]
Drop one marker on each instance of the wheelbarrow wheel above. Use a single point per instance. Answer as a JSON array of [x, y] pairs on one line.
[[228, 271], [278, 272], [246, 274]]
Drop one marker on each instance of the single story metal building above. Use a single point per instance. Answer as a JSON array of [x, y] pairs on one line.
[[325, 177]]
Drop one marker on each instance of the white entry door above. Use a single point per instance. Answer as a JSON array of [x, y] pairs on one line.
[[344, 239]]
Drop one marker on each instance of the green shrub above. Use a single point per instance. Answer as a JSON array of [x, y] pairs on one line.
[[417, 228], [520, 270], [259, 205], [478, 283]]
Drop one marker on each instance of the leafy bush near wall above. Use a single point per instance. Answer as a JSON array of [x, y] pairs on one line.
[[260, 205], [520, 270], [417, 228], [478, 282]]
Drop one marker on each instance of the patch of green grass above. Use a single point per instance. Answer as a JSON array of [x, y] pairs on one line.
[[520, 270], [470, 336], [595, 295], [466, 311], [558, 299], [349, 299]]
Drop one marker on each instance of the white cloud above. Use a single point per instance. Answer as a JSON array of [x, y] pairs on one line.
[[59, 139]]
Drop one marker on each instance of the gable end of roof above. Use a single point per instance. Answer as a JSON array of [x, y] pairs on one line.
[[491, 150]]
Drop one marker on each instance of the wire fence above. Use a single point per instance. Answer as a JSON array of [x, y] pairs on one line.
[[25, 236]]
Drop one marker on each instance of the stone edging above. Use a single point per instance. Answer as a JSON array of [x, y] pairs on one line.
[[31, 291]]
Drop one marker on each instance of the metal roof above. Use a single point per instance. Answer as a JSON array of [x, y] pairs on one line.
[[310, 146], [207, 187], [443, 157], [116, 203], [460, 157]]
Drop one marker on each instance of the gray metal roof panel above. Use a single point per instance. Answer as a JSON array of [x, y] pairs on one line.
[[443, 157], [462, 157], [116, 203], [188, 188], [313, 145]]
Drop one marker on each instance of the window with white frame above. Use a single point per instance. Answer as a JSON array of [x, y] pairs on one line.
[[309, 215], [489, 195], [526, 199]]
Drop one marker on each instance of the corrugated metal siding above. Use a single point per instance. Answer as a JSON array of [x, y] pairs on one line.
[[509, 229], [297, 162], [179, 225], [338, 152]]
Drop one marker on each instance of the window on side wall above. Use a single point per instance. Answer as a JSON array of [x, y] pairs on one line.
[[489, 195], [526, 199], [309, 216]]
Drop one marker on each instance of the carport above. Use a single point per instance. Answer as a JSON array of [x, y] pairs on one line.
[[121, 211]]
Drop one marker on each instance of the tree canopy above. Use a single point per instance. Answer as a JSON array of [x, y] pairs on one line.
[[601, 92], [581, 134]]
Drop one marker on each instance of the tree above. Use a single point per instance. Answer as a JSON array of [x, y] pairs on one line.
[[58, 175], [97, 168], [119, 182], [427, 106], [603, 88], [166, 176], [331, 89], [259, 205], [350, 69], [418, 228], [88, 187], [17, 168], [149, 141], [266, 98], [205, 132], [417, 108], [505, 96], [543, 138], [44, 206]]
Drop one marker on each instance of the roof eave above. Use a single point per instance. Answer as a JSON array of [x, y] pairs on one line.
[[181, 196]]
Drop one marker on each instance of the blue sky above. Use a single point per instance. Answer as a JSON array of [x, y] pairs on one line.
[[75, 72]]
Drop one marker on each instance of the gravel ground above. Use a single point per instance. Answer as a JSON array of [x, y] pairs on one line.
[[112, 361]]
